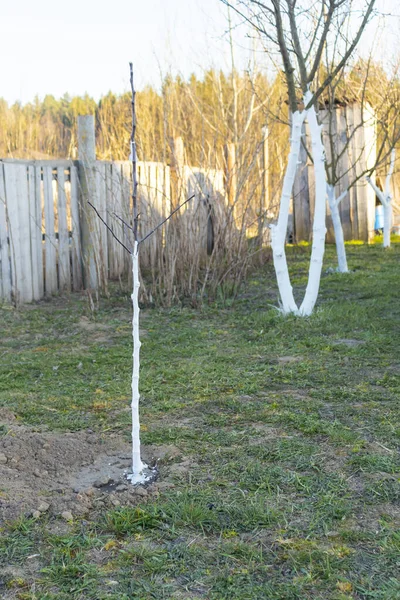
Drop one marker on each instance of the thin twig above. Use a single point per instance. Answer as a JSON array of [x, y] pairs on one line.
[[384, 447], [167, 219], [108, 227], [124, 222], [133, 159]]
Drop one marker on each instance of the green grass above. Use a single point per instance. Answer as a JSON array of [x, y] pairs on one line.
[[292, 425]]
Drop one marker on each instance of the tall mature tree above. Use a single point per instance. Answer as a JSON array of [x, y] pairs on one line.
[[376, 94], [300, 30]]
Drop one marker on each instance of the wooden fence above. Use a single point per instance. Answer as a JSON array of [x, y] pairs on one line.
[[39, 229], [42, 209], [353, 137], [51, 240]]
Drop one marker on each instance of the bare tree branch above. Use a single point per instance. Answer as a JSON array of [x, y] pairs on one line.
[[109, 228], [134, 158], [166, 219], [348, 52]]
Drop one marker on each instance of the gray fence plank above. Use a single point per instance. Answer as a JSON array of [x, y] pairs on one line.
[[77, 279], [39, 218], [25, 284], [126, 212], [344, 206], [101, 197], [114, 202], [13, 230], [362, 186], [5, 270], [50, 236], [64, 273], [35, 232]]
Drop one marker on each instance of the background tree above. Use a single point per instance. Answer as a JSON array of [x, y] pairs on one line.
[[300, 33], [376, 93]]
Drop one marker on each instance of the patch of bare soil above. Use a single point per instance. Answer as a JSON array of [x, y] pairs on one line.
[[348, 342], [267, 432], [372, 518], [71, 474], [288, 360]]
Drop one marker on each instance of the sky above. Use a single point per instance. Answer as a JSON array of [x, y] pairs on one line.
[[53, 47]]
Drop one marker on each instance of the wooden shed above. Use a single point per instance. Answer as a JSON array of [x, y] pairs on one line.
[[350, 131]]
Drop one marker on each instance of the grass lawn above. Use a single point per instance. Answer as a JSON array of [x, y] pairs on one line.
[[291, 426]]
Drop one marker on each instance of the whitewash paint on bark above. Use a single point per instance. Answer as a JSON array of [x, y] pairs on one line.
[[138, 466], [278, 231], [337, 226], [386, 199], [319, 227]]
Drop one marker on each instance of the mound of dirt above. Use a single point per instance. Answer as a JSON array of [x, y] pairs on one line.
[[70, 474]]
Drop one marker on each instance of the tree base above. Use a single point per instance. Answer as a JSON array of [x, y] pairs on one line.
[[146, 476]]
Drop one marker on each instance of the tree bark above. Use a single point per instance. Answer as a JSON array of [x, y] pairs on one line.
[[386, 200], [137, 465], [319, 225], [338, 229], [387, 222], [278, 231]]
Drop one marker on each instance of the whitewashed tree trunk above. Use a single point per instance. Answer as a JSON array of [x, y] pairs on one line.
[[278, 231], [337, 227], [387, 207], [386, 200], [319, 225], [387, 221], [137, 464]]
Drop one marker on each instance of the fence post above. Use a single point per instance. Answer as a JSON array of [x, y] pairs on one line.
[[176, 173], [263, 231], [230, 172], [87, 182]]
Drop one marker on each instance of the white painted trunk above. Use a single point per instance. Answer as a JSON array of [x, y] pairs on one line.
[[137, 465], [387, 222], [386, 199], [338, 229], [319, 225], [278, 231]]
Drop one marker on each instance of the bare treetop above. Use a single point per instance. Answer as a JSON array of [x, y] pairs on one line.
[[300, 30]]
